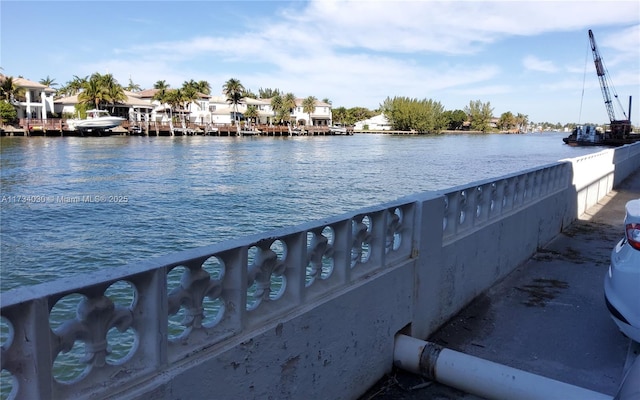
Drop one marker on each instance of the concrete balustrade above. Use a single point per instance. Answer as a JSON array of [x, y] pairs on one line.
[[309, 311]]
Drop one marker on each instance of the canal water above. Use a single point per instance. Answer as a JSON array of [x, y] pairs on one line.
[[74, 205]]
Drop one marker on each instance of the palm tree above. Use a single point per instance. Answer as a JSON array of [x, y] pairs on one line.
[[234, 90], [50, 82], [268, 93], [9, 90], [174, 98], [252, 113], [77, 84], [203, 87], [248, 93], [93, 93], [288, 104], [161, 94], [309, 106], [133, 87], [522, 121], [276, 106], [340, 113], [190, 93], [161, 85], [113, 90]]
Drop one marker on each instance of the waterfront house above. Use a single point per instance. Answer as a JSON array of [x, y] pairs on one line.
[[37, 101], [376, 123], [134, 108], [265, 111], [205, 109], [221, 112], [321, 116]]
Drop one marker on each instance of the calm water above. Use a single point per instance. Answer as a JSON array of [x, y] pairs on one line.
[[72, 205]]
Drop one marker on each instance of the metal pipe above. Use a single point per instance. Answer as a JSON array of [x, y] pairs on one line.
[[480, 377]]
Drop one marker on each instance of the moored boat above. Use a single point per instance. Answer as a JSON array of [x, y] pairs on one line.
[[590, 135], [620, 131], [95, 120], [338, 129], [250, 132]]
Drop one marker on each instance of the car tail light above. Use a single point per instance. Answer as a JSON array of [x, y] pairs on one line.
[[633, 235]]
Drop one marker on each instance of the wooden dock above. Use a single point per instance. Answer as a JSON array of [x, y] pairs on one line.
[[59, 127]]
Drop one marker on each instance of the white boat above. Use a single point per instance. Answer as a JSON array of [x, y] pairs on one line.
[[96, 119], [249, 132], [338, 129]]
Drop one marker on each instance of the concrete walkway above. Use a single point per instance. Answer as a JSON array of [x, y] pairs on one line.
[[548, 317]]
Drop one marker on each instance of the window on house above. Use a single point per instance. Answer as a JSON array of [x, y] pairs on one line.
[[212, 108]]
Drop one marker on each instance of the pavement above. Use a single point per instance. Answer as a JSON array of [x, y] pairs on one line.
[[547, 317]]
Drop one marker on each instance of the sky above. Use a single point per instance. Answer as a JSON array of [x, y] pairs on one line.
[[532, 58]]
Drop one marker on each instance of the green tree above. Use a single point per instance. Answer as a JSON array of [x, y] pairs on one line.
[[276, 106], [93, 92], [113, 90], [73, 87], [288, 105], [522, 121], [455, 119], [233, 90], [283, 107], [203, 87], [309, 106], [8, 113], [9, 90], [249, 94], [356, 114], [339, 114], [480, 115], [422, 116], [175, 98], [162, 87], [268, 93], [190, 92], [49, 82], [252, 113], [133, 87], [507, 121]]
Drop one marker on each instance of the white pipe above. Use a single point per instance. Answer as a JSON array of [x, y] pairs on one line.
[[481, 377]]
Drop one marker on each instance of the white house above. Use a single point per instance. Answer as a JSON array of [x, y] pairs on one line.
[[216, 110], [321, 116], [375, 123], [204, 110], [37, 102]]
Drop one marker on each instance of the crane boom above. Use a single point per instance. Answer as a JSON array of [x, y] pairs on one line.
[[602, 77], [619, 128]]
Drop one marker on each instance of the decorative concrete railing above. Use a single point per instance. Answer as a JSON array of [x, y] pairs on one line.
[[305, 312]]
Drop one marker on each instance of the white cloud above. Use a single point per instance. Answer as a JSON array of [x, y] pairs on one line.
[[358, 52], [535, 64]]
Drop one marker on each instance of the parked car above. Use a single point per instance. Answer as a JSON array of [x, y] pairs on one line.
[[622, 282]]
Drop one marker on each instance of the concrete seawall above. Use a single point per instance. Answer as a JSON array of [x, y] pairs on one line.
[[547, 317], [352, 282]]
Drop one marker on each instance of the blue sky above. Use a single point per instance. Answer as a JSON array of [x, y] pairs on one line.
[[525, 57]]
